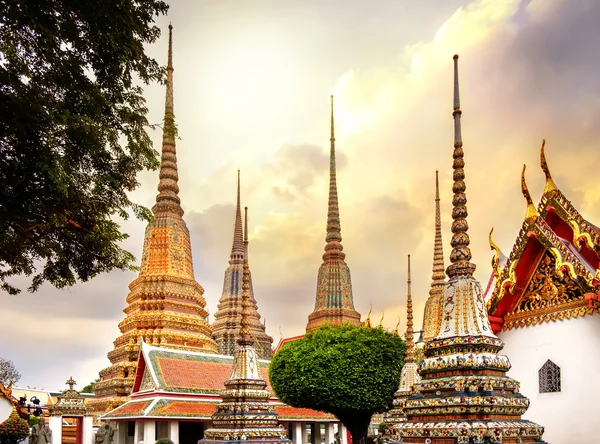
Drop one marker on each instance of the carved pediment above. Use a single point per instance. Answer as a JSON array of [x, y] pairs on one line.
[[549, 296]]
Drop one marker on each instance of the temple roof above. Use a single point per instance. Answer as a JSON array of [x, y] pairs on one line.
[[554, 226], [179, 384], [178, 371]]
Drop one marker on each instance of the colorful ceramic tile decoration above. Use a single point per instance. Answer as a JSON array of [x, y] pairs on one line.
[[165, 303], [464, 395], [245, 413], [334, 304], [227, 323]]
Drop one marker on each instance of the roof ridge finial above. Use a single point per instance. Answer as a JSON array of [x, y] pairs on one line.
[[410, 342], [460, 257], [497, 254], [245, 333], [381, 320], [397, 327], [334, 232], [438, 276], [531, 213], [238, 249], [550, 186], [167, 200], [367, 322]]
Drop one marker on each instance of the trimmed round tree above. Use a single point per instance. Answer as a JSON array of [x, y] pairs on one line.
[[349, 371]]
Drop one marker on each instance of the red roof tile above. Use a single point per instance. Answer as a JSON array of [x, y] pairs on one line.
[[186, 408], [287, 412], [198, 375]]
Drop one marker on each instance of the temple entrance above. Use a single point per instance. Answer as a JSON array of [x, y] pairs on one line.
[[70, 420], [190, 432], [72, 430]]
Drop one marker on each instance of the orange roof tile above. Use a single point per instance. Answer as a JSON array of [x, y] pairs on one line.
[[287, 412], [186, 408]]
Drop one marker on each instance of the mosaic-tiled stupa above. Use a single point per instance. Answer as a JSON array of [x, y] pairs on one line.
[[464, 395], [334, 304], [226, 327], [245, 413], [433, 307], [165, 303], [409, 374]]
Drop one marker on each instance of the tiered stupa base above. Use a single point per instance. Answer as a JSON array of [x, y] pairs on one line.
[[245, 414]]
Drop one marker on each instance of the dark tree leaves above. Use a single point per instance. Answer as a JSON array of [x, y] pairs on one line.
[[8, 372], [72, 133], [349, 371]]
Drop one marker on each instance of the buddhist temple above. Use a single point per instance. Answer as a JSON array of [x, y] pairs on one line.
[[433, 307], [227, 323], [245, 413], [165, 303], [334, 304], [544, 304], [409, 375], [464, 395]]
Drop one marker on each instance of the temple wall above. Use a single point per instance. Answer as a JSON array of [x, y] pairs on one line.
[[569, 416]]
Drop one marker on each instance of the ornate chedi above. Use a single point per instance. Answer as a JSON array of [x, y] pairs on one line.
[[433, 307], [553, 270], [334, 304], [410, 374], [227, 323], [245, 413], [464, 395], [165, 303]]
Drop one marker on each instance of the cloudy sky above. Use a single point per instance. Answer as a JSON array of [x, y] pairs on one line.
[[252, 84]]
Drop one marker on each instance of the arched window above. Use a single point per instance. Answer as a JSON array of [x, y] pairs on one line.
[[549, 377]]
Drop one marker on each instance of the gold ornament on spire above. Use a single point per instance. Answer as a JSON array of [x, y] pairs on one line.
[[410, 343], [550, 187], [433, 306], [531, 214], [334, 304], [167, 200], [460, 256]]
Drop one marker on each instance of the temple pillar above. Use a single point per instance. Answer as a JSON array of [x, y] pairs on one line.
[[88, 431], [329, 437], [297, 433], [120, 436], [149, 431], [304, 433], [138, 433], [315, 433], [174, 431], [55, 424], [343, 434]]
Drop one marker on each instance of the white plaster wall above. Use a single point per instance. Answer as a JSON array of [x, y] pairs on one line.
[[5, 409], [570, 416]]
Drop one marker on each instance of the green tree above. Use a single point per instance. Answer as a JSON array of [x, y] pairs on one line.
[[349, 371], [72, 134], [89, 388]]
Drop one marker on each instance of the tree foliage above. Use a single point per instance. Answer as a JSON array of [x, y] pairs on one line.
[[8, 372], [72, 133], [349, 371], [89, 388]]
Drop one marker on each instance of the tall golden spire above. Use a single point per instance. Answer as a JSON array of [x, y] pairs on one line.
[[226, 328], [238, 249], [531, 214], [410, 343], [334, 230], [167, 200], [246, 232], [460, 257], [461, 365], [334, 304], [165, 304], [245, 333], [433, 306], [438, 277]]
